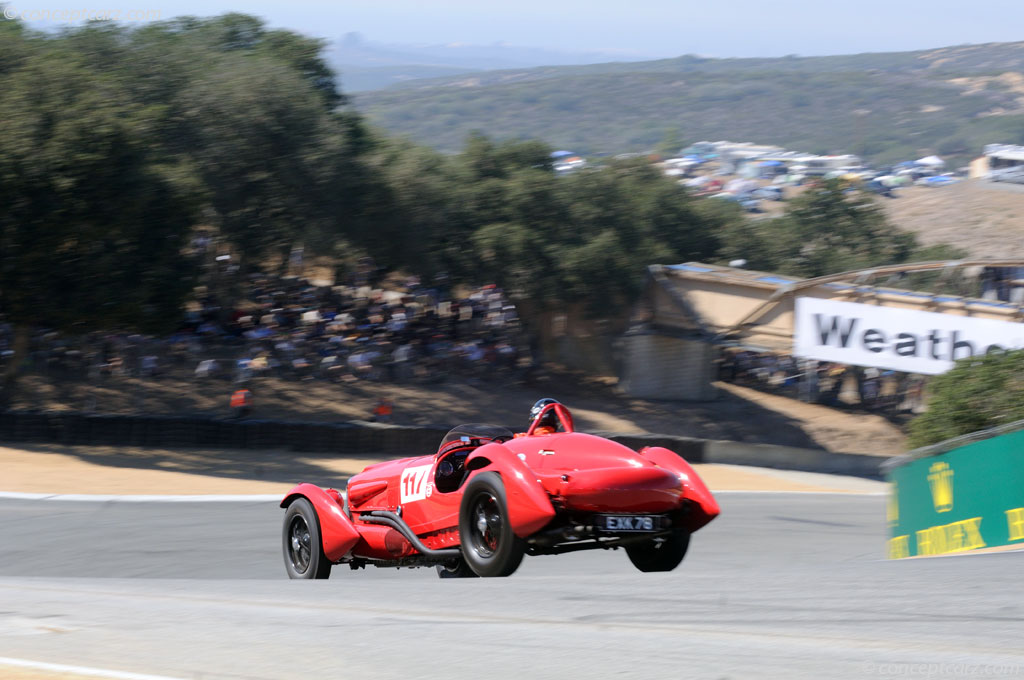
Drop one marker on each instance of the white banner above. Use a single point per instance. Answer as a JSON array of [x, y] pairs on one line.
[[899, 339]]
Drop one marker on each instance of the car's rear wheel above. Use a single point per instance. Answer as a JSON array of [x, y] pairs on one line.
[[455, 569], [303, 552], [659, 554], [489, 546]]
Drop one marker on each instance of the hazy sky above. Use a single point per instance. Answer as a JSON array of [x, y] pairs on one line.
[[656, 28]]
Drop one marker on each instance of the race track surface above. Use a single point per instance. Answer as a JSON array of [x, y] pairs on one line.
[[780, 586]]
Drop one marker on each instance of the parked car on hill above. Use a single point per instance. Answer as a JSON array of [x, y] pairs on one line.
[[1014, 174], [769, 193]]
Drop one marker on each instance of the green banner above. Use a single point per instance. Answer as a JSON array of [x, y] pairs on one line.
[[966, 499]]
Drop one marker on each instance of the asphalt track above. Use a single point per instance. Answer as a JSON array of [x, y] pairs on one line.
[[780, 586]]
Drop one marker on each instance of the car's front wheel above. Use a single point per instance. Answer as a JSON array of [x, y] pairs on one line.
[[489, 546], [303, 552], [659, 554]]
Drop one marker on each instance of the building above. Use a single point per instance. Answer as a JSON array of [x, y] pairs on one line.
[[997, 157], [1004, 156]]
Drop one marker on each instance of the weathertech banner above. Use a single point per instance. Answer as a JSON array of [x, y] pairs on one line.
[[898, 339]]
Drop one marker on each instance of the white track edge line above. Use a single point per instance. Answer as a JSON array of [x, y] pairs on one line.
[[264, 498], [80, 670], [140, 498], [782, 491]]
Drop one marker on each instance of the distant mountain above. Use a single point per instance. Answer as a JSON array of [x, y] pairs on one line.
[[366, 65], [367, 78], [883, 106]]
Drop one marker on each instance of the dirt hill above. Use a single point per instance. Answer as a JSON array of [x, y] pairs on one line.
[[985, 218]]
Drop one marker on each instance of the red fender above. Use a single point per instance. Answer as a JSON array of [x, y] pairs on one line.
[[704, 507], [337, 533], [529, 508]]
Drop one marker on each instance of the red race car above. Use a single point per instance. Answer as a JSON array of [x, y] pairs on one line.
[[488, 497]]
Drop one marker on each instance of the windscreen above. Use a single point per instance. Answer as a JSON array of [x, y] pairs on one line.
[[478, 431]]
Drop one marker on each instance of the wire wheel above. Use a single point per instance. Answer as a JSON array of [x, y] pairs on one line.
[[489, 546], [485, 523], [298, 544]]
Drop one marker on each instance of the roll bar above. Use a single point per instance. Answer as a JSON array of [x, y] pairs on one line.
[[561, 412]]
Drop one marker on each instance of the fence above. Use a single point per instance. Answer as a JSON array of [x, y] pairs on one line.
[[205, 432], [70, 428]]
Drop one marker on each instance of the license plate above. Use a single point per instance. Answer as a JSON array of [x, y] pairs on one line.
[[635, 523]]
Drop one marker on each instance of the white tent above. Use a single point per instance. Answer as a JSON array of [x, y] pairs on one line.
[[933, 161]]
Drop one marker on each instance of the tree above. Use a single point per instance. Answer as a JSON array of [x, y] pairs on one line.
[[828, 229], [977, 394], [671, 142], [92, 230], [117, 139], [265, 152], [586, 238]]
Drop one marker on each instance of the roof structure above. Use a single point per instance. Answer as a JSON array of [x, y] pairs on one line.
[[1010, 152], [754, 309]]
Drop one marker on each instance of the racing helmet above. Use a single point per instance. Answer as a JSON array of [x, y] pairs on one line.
[[550, 418]]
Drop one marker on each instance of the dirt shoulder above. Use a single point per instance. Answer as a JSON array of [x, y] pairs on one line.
[[54, 469], [97, 470], [829, 428]]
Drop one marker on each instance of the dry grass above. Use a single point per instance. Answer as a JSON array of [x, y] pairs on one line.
[[985, 218]]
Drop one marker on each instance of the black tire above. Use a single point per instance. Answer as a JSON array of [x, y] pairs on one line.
[[455, 569], [489, 546], [659, 556], [303, 552]]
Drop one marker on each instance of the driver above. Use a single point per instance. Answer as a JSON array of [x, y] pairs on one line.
[[549, 421]]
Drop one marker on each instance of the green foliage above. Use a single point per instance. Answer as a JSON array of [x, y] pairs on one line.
[[671, 142], [92, 229], [265, 150], [828, 229], [116, 140], [938, 251], [498, 213], [976, 395]]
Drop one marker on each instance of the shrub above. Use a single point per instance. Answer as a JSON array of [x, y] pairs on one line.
[[976, 395]]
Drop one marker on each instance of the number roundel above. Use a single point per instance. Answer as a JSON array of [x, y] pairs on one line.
[[414, 484]]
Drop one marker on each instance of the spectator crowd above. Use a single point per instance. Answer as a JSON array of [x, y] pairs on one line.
[[820, 382], [287, 327]]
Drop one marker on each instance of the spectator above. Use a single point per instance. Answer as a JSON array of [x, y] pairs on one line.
[[241, 403], [382, 411], [207, 368]]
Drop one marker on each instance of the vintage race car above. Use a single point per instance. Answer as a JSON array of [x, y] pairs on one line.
[[489, 497]]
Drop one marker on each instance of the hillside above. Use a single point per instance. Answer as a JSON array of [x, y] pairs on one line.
[[984, 218], [886, 107]]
